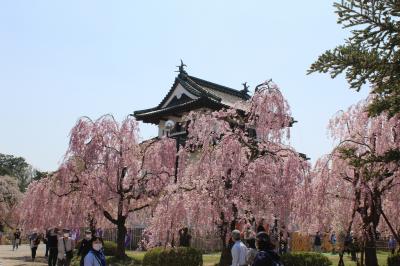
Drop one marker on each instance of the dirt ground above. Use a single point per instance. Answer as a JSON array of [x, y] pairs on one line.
[[22, 256]]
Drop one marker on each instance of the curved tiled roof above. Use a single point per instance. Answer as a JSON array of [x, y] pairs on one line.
[[208, 93]]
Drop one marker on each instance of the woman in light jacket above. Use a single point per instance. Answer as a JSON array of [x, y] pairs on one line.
[[95, 257]]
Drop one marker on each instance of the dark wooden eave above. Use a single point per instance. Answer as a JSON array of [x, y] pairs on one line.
[[154, 115]]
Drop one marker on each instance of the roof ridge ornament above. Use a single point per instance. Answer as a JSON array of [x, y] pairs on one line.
[[245, 89], [181, 68]]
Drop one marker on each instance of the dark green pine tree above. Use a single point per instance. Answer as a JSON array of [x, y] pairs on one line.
[[371, 55], [16, 167]]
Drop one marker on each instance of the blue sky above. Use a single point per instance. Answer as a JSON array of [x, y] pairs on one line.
[[60, 60]]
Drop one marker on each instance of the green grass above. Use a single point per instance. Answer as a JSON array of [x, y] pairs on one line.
[[211, 259], [382, 259], [137, 255]]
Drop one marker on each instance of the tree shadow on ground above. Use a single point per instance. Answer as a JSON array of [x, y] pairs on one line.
[[26, 259]]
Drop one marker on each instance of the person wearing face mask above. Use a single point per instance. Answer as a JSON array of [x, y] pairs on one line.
[[65, 249], [95, 257], [52, 243], [85, 246]]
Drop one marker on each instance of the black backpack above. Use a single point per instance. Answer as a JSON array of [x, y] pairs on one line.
[[275, 262]]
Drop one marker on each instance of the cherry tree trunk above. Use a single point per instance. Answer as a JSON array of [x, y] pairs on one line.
[[121, 233], [226, 257], [370, 249]]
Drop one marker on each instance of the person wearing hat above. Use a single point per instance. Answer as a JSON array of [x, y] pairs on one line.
[[52, 244], [266, 256], [239, 250], [65, 249], [85, 246]]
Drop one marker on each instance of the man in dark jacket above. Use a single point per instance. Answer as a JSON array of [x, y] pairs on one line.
[[52, 244], [85, 246], [266, 256], [17, 239], [46, 241], [184, 237], [317, 242]]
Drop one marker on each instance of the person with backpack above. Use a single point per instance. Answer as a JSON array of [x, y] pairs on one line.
[[65, 249], [95, 256], [317, 242], [266, 256], [85, 246]]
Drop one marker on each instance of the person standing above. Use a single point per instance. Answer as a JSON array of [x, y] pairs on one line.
[[52, 244], [99, 232], [392, 244], [317, 242], [34, 241], [354, 247], [283, 243], [347, 242], [17, 239], [1, 232], [251, 251], [249, 234], [128, 240], [333, 240], [65, 249], [95, 256], [260, 227], [85, 246], [266, 256], [184, 237], [350, 247], [74, 235], [46, 241], [239, 250], [288, 238]]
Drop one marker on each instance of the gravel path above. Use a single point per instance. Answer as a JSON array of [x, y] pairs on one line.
[[22, 256]]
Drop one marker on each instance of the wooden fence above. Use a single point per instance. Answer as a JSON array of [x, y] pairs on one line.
[[298, 242], [207, 244], [302, 242]]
